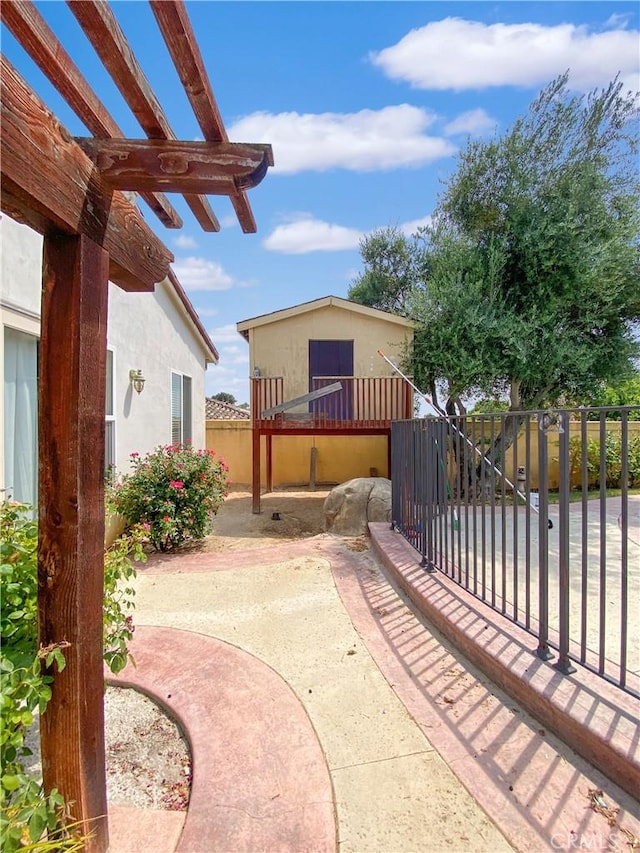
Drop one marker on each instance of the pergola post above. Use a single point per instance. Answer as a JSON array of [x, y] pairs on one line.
[[71, 522]]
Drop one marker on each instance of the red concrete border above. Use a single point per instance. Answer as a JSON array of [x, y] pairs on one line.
[[599, 721], [259, 777]]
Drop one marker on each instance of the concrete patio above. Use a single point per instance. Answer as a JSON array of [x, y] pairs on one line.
[[388, 739]]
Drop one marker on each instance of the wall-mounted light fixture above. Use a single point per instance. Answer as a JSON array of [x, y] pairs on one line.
[[137, 380]]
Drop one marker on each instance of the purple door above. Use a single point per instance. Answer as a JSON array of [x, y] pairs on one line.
[[331, 358]]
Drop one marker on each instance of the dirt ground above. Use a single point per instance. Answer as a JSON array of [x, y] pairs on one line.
[[285, 515]]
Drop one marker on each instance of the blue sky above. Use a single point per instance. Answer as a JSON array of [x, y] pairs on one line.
[[365, 104]]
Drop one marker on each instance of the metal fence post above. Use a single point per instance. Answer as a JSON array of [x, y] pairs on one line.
[[563, 664], [543, 651]]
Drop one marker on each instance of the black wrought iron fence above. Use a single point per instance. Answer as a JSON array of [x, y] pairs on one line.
[[538, 515]]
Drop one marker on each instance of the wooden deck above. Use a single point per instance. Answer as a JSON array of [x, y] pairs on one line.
[[363, 406]]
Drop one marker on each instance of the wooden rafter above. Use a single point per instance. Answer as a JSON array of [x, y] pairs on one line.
[[40, 42], [50, 183], [151, 164], [182, 45], [104, 33]]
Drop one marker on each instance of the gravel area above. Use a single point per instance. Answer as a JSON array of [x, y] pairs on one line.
[[148, 761]]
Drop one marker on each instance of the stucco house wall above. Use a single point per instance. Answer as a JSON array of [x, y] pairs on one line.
[[148, 332], [279, 342], [151, 332]]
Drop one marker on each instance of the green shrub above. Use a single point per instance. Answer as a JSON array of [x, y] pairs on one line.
[[26, 810], [613, 461], [634, 461], [119, 571], [172, 492]]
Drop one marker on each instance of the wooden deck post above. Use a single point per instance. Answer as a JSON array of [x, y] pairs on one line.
[[256, 470], [269, 439], [71, 522]]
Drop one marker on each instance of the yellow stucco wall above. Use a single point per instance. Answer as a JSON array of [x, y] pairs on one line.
[[593, 433], [281, 348], [339, 458], [553, 451]]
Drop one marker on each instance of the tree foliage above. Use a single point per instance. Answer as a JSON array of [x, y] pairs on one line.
[[391, 262], [526, 281], [621, 393], [224, 397]]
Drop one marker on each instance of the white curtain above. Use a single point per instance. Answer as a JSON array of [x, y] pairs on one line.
[[20, 416]]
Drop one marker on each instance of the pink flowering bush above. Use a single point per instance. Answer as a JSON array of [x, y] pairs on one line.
[[173, 492]]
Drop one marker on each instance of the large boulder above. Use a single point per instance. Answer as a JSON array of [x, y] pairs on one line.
[[352, 505]]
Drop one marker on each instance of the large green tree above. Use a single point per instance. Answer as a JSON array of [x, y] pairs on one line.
[[528, 279]]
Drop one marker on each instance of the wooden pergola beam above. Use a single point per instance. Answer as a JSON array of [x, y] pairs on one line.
[[71, 400], [50, 183], [182, 45], [109, 42], [40, 42], [153, 164]]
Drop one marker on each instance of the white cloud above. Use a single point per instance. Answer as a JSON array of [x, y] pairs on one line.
[[351, 274], [473, 122], [231, 374], [229, 221], [410, 228], [459, 54], [618, 21], [226, 335], [370, 140], [202, 274], [306, 234], [236, 351], [184, 241], [207, 312], [232, 380]]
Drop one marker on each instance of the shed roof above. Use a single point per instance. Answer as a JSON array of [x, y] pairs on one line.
[[326, 301]]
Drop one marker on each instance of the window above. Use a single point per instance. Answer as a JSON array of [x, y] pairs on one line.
[[110, 419], [21, 415], [181, 432]]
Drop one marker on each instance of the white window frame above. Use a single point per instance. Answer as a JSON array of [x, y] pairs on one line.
[[182, 401], [110, 458], [20, 324]]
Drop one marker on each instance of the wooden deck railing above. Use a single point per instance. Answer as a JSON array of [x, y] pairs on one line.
[[362, 402]]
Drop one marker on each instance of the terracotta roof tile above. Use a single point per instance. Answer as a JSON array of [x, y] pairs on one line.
[[216, 410]]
